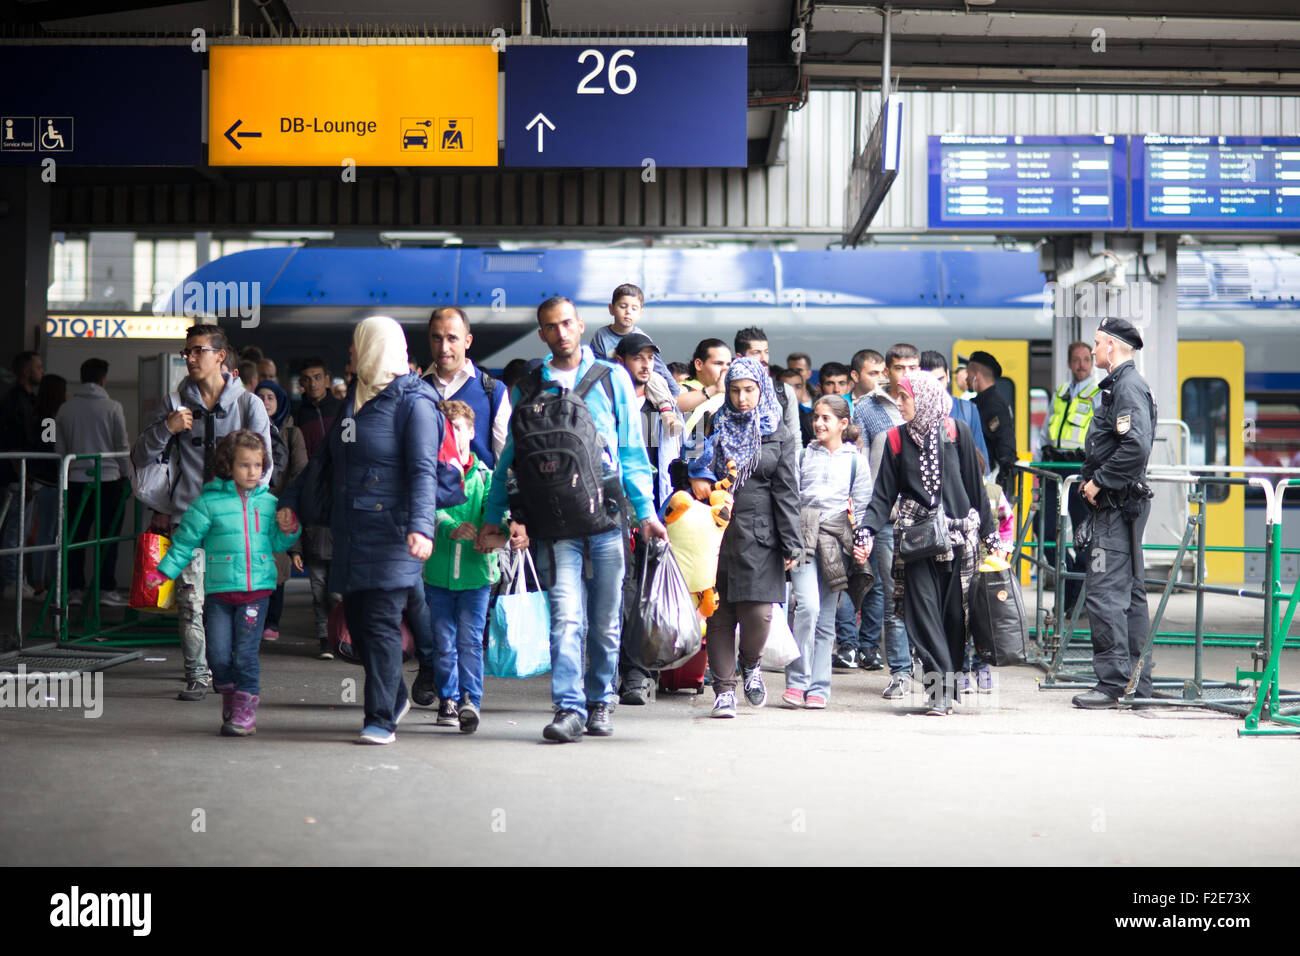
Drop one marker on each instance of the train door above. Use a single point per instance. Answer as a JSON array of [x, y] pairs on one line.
[[1013, 356], [1211, 400]]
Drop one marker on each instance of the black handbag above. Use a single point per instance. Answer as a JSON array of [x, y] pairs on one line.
[[997, 618], [925, 539]]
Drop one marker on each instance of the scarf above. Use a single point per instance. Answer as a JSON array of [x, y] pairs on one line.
[[933, 405], [738, 436], [281, 400], [380, 345]]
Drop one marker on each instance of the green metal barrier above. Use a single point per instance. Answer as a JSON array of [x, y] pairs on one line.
[[1271, 703], [56, 619]]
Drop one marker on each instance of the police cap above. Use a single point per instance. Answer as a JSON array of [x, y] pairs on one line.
[[988, 361], [1122, 330]]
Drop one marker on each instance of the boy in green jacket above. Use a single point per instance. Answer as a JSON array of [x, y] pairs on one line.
[[233, 521], [457, 583]]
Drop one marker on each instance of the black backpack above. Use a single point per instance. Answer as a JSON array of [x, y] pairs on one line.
[[562, 489]]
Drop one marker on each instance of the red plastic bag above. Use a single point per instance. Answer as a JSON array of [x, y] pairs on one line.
[[150, 549], [341, 640]]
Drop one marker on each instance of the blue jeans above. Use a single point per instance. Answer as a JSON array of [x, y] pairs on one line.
[[601, 595], [846, 622], [878, 611], [814, 631], [375, 623], [458, 619], [234, 635]]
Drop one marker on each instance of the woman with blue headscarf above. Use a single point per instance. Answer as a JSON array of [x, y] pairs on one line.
[[754, 450], [288, 458]]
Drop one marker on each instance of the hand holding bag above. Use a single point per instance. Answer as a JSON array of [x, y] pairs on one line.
[[519, 630], [781, 648], [664, 630], [927, 538], [997, 617]]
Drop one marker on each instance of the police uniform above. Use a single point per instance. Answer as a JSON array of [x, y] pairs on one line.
[[1117, 449], [999, 430]]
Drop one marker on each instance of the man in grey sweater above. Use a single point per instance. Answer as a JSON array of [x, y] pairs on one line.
[[212, 405], [90, 423]]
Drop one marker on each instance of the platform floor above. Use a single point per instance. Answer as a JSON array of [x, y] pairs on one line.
[[1018, 777]]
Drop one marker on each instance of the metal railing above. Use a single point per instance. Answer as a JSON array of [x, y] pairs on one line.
[[1068, 660]]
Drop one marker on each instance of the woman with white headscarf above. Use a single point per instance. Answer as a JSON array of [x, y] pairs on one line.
[[930, 463], [377, 478], [751, 443]]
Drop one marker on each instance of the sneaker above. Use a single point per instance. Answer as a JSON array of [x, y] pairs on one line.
[[636, 693], [448, 714], [325, 654], [194, 690], [897, 687], [724, 705], [566, 728], [792, 697], [28, 591], [424, 690], [845, 658], [468, 717], [402, 711], [74, 597], [939, 707], [270, 634], [871, 660], [755, 692], [963, 683], [984, 679], [376, 735], [114, 598], [598, 724], [814, 702]]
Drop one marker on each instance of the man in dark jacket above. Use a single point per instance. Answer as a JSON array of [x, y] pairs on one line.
[[314, 416], [1117, 450], [982, 373]]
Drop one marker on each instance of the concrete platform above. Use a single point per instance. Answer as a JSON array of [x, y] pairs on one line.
[[1017, 777]]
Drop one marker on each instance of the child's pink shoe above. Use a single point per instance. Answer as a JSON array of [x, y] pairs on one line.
[[242, 722]]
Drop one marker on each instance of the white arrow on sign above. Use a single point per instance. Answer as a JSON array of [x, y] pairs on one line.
[[540, 131]]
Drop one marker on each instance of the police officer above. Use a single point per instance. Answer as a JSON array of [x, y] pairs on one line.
[[1118, 446], [1063, 438]]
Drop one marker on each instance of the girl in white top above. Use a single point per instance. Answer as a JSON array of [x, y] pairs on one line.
[[833, 473]]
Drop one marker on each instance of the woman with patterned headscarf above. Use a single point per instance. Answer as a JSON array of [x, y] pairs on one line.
[[754, 451], [930, 462]]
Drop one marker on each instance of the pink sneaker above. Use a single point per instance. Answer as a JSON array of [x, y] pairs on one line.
[[813, 702], [792, 698], [270, 634]]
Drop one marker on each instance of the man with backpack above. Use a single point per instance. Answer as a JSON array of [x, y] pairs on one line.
[[577, 452], [172, 461]]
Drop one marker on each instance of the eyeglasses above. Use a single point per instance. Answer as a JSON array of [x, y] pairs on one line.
[[197, 350]]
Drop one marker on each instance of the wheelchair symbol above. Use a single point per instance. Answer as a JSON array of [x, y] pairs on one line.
[[53, 137]]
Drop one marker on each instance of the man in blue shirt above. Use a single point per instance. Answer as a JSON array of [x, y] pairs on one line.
[[582, 698]]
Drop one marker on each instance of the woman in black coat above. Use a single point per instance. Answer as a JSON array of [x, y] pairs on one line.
[[935, 463], [760, 545]]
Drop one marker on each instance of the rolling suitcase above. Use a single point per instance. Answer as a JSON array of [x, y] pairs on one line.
[[690, 676]]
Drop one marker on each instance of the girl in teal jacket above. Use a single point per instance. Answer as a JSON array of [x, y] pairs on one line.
[[233, 521]]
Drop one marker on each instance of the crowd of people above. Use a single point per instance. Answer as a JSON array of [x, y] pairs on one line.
[[398, 497]]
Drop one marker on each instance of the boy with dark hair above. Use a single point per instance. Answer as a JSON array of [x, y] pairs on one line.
[[866, 373], [833, 379], [625, 307]]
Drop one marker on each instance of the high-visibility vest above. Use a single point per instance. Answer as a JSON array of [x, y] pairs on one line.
[[1070, 418]]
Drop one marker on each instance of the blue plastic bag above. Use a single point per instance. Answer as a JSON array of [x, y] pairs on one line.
[[519, 629]]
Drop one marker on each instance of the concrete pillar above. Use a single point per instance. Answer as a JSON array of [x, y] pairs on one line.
[[24, 259]]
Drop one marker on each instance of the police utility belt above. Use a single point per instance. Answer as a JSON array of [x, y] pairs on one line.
[[1129, 503]]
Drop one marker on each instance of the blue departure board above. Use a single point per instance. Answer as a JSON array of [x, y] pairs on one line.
[[1216, 182], [1027, 183]]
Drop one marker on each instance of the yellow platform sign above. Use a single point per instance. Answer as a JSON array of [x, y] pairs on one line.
[[376, 105]]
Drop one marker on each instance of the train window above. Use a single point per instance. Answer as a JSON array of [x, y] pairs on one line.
[[1204, 406], [1272, 432]]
